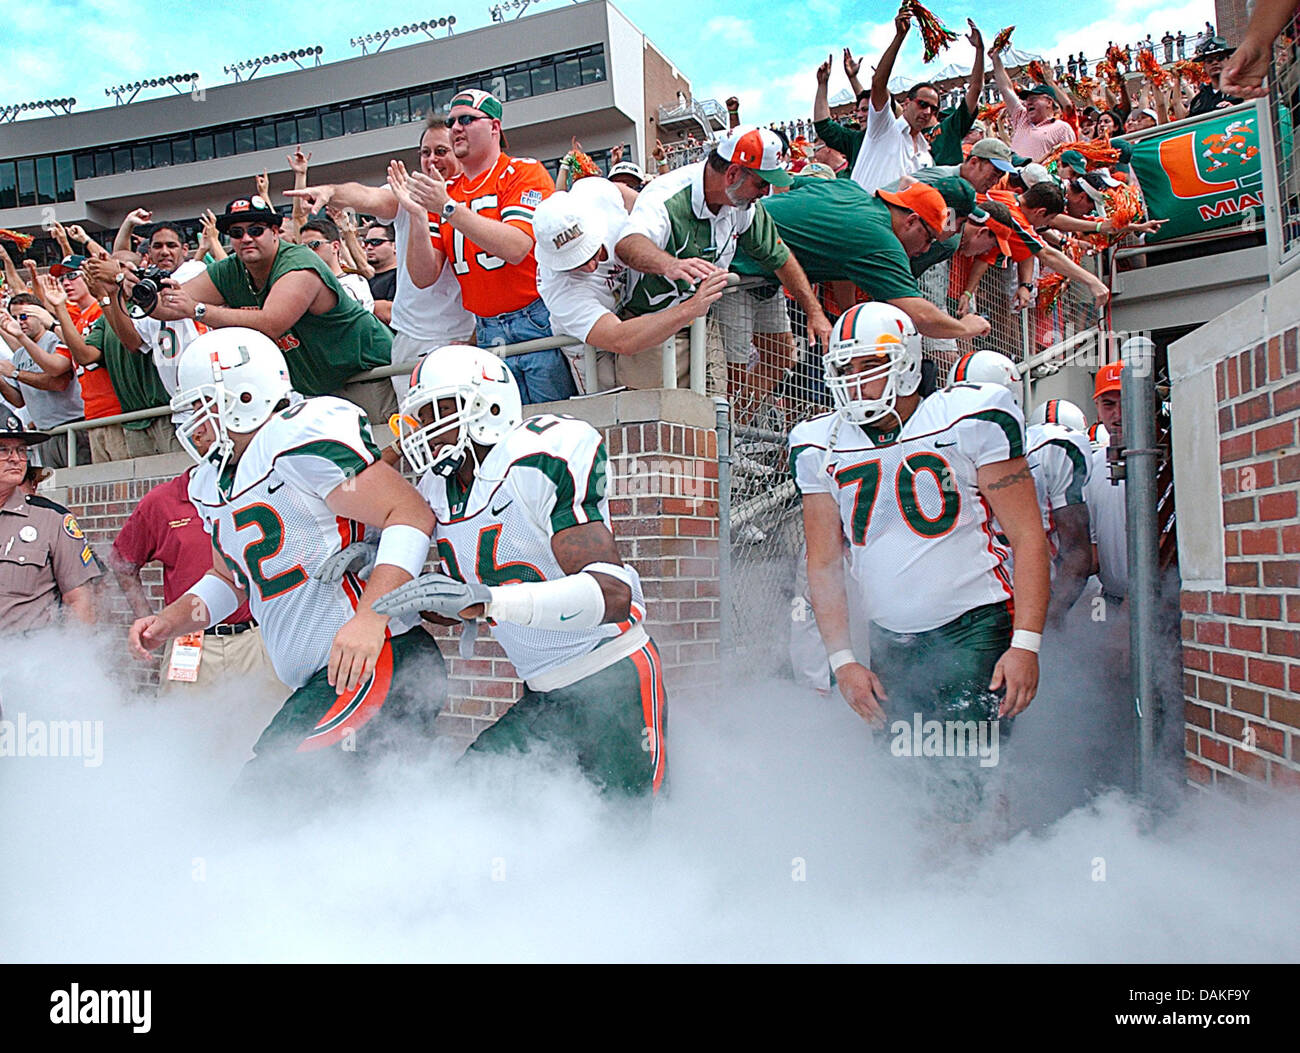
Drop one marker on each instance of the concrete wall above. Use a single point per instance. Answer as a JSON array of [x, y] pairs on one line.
[[1236, 406], [663, 477]]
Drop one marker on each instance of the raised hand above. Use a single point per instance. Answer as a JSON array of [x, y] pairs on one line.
[[137, 217], [264, 187], [824, 71], [851, 65], [314, 197], [399, 182], [298, 160]]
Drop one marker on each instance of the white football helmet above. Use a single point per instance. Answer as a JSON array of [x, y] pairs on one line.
[[487, 407], [872, 329], [1062, 412], [986, 367], [237, 377]]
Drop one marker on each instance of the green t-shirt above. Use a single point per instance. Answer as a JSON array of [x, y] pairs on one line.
[[837, 230], [847, 141], [321, 350], [135, 381], [945, 148]]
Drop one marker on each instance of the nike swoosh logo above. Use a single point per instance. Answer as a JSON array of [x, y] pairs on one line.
[[566, 617], [652, 300], [945, 444], [498, 511], [273, 489]]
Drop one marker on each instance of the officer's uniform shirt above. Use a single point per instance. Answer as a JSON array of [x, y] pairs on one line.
[[43, 555]]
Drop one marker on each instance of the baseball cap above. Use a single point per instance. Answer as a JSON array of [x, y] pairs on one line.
[[568, 234], [757, 149], [12, 428], [478, 99], [996, 152], [68, 265], [1095, 194], [627, 168], [243, 209], [958, 195], [1039, 89], [817, 170], [1075, 160], [1108, 379], [1215, 47], [1000, 232], [922, 199], [1035, 173]]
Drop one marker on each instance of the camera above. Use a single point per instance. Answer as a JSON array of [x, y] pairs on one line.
[[147, 287]]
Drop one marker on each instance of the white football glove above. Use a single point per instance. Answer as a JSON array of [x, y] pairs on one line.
[[358, 557], [432, 592]]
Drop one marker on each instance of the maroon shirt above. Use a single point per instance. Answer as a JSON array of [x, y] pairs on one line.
[[166, 527]]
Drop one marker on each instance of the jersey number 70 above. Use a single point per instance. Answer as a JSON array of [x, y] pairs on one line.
[[866, 477]]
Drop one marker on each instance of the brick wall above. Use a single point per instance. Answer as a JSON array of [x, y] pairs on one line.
[[1241, 642], [663, 486]]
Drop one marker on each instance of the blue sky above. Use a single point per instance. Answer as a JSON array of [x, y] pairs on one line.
[[80, 47]]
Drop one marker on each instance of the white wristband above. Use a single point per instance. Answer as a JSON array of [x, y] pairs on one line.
[[563, 605], [218, 597], [403, 546], [839, 659], [1024, 640]]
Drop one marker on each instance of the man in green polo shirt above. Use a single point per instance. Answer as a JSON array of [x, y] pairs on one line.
[[840, 232], [137, 386], [287, 292]]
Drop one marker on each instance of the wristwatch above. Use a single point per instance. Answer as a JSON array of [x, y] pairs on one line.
[[1027, 285], [200, 309], [448, 210]]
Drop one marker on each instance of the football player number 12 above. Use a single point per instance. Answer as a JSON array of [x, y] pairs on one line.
[[866, 477], [489, 263]]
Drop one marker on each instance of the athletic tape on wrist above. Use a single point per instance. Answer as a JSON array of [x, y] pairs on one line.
[[839, 659], [572, 602], [1025, 640], [403, 546], [218, 597]]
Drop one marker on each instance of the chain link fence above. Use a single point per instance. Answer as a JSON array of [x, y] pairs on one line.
[[768, 629]]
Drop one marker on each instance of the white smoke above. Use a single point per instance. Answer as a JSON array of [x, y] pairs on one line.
[[786, 835]]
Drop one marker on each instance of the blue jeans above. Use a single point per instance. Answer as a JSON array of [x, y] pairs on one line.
[[543, 376]]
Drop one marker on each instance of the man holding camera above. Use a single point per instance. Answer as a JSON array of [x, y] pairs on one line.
[[286, 292]]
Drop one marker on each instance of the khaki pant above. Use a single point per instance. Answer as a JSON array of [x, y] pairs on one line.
[[238, 689], [159, 437], [108, 443], [408, 350], [645, 369], [375, 397]]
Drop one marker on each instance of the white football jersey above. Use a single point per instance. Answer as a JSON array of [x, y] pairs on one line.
[[546, 475], [269, 520], [922, 546], [1061, 461]]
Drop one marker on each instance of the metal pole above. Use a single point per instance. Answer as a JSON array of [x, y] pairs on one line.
[[697, 355], [725, 628], [1026, 352], [1141, 460], [669, 352]]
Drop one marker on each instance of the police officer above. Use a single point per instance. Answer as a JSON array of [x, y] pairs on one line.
[[45, 560]]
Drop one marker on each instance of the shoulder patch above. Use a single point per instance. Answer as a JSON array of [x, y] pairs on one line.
[[531, 198], [71, 528], [45, 502]]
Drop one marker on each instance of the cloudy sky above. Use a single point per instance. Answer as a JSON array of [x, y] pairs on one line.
[[79, 47]]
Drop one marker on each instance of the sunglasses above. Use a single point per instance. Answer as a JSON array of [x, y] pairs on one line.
[[255, 230], [927, 106], [372, 242], [465, 120], [313, 245]]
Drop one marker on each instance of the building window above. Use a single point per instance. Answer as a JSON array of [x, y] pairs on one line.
[[518, 86], [182, 150], [398, 111], [224, 142], [265, 135], [376, 116], [308, 128], [543, 79], [568, 74], [245, 141], [121, 160], [140, 158], [26, 182], [354, 120], [103, 163], [65, 180], [8, 185], [421, 106], [162, 154], [85, 166], [331, 124], [593, 68], [203, 150]]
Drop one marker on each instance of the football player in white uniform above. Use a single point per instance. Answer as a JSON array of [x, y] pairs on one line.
[[523, 531], [914, 485], [286, 484], [1061, 459]]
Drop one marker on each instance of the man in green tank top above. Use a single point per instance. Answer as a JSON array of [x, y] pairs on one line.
[[285, 291]]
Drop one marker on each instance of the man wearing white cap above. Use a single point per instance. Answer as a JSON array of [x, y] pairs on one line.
[[584, 284], [629, 174], [686, 226]]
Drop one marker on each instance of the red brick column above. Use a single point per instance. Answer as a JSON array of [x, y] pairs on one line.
[[1241, 645]]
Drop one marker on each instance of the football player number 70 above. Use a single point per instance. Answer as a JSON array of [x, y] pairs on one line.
[[866, 477]]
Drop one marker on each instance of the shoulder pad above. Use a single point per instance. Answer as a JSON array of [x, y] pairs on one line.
[[550, 433], [967, 397], [814, 432], [44, 502]]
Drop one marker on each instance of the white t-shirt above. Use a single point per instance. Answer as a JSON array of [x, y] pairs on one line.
[[166, 341], [359, 289], [578, 300], [1109, 520], [889, 151], [435, 314]]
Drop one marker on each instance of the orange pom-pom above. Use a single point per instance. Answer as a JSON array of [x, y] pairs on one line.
[[23, 241], [934, 34], [1003, 40]]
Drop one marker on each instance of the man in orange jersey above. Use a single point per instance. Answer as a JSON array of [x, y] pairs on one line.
[[484, 217]]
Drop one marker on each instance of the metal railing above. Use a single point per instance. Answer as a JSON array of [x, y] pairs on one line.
[[697, 377]]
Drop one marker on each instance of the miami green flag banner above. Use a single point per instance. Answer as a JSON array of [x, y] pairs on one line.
[[1202, 176]]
